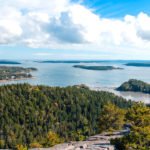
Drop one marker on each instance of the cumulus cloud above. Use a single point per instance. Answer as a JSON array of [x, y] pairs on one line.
[[143, 26], [64, 30], [65, 25]]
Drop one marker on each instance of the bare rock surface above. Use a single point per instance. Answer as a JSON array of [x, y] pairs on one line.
[[96, 142]]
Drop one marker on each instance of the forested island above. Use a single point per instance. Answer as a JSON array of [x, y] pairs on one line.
[[135, 86], [73, 61], [9, 62], [138, 64], [97, 67], [42, 116], [15, 73]]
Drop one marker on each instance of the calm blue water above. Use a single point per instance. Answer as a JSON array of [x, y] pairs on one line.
[[63, 74]]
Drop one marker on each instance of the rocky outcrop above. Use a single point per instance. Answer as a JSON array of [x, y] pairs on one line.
[[96, 142]]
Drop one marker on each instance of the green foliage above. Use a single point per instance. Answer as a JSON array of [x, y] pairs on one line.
[[138, 115], [135, 85], [2, 143], [80, 136], [112, 118], [139, 138], [28, 113]]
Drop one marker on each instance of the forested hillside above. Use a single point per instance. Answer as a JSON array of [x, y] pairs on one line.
[[135, 86], [43, 116]]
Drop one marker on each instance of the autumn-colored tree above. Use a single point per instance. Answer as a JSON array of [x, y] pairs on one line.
[[35, 145], [53, 139], [2, 144], [80, 136], [21, 147], [138, 115], [139, 138], [112, 118]]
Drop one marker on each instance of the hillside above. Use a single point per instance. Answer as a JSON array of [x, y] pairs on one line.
[[135, 86], [32, 114]]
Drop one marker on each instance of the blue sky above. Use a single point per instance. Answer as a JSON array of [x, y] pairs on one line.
[[117, 8], [76, 29]]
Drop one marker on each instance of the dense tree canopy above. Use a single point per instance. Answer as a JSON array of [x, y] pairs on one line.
[[112, 118], [35, 115], [135, 86]]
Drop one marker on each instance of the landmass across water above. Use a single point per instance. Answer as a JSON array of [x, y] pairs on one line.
[[97, 67], [138, 64], [9, 73], [135, 86], [73, 61], [9, 62]]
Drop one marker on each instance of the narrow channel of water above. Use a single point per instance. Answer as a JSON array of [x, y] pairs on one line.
[[136, 96]]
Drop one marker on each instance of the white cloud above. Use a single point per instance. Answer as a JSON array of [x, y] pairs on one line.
[[61, 24], [64, 30]]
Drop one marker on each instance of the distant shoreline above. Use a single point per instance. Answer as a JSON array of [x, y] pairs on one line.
[[18, 79], [138, 64], [4, 62]]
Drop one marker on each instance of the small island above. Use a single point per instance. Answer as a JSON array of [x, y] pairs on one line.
[[8, 73], [97, 67], [9, 62], [135, 86], [138, 64]]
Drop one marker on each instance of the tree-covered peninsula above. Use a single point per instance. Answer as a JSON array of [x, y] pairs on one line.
[[15, 73], [9, 62], [97, 67], [42, 116], [135, 86], [138, 64]]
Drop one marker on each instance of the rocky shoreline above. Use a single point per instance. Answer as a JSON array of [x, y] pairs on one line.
[[96, 142]]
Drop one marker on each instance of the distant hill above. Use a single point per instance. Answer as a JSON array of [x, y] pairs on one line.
[[135, 86], [138, 64]]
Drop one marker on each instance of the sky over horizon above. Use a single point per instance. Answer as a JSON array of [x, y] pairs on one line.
[[75, 29]]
